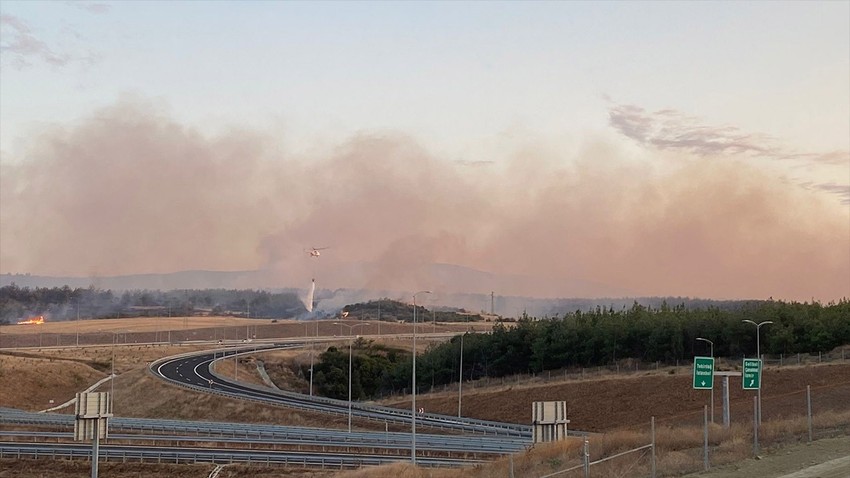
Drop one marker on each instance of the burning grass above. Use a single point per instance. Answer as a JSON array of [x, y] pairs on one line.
[[136, 324], [38, 320]]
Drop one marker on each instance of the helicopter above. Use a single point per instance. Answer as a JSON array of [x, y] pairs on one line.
[[314, 251]]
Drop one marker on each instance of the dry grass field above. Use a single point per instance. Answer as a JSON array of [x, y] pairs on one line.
[[618, 406], [192, 329], [146, 324]]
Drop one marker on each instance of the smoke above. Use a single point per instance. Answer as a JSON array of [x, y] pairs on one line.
[[308, 301], [130, 190]]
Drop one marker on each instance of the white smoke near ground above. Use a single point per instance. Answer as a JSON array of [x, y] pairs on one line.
[[130, 190], [308, 301]]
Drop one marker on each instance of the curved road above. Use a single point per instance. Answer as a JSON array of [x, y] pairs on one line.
[[193, 371]]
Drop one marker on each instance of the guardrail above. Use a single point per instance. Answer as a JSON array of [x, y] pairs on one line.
[[208, 455], [278, 433], [390, 446]]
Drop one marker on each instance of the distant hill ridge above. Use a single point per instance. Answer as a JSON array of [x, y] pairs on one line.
[[501, 304]]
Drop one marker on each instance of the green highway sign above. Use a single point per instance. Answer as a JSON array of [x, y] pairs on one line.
[[703, 373], [752, 374]]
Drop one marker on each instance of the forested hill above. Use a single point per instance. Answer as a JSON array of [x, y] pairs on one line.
[[601, 336], [64, 303]]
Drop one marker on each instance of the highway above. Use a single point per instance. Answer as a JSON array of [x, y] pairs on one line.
[[193, 370], [186, 431], [470, 441]]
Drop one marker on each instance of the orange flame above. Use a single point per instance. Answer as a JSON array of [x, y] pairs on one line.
[[38, 320]]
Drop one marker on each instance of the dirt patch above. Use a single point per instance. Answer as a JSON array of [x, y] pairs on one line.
[[129, 325], [78, 468], [36, 384], [30, 379], [188, 329], [785, 460], [284, 367], [247, 370], [609, 403]]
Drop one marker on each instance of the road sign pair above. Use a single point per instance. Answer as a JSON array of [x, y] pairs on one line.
[[704, 373]]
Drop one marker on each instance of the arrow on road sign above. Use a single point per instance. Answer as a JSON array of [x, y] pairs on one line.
[[703, 373], [751, 369]]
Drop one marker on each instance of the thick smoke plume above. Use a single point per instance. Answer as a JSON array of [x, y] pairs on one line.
[[129, 190]]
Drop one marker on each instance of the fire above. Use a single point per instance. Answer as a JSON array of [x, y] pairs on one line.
[[38, 320]]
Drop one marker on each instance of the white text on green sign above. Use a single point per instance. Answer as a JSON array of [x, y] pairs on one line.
[[751, 379], [703, 373]]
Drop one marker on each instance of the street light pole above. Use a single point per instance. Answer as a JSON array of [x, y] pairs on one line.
[[312, 353], [712, 375], [312, 343], [350, 342], [758, 356], [413, 405], [112, 376], [460, 377]]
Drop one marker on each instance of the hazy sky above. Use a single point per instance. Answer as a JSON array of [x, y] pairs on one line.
[[669, 148]]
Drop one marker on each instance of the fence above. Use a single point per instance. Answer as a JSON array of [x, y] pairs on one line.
[[676, 450], [634, 367]]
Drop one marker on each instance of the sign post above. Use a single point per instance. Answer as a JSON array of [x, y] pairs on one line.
[[92, 422], [703, 373], [752, 374]]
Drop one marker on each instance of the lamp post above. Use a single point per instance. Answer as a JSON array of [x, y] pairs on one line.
[[112, 376], [758, 356], [460, 377], [312, 344], [413, 405], [350, 341], [712, 373]]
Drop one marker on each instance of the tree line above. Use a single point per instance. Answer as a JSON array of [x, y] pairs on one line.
[[389, 310], [592, 338], [65, 303]]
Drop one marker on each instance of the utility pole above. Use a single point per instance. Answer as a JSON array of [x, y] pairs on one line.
[[491, 303], [761, 362], [312, 344], [350, 343], [413, 385], [112, 380], [460, 378]]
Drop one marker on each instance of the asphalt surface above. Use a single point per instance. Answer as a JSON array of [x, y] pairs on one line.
[[193, 370]]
